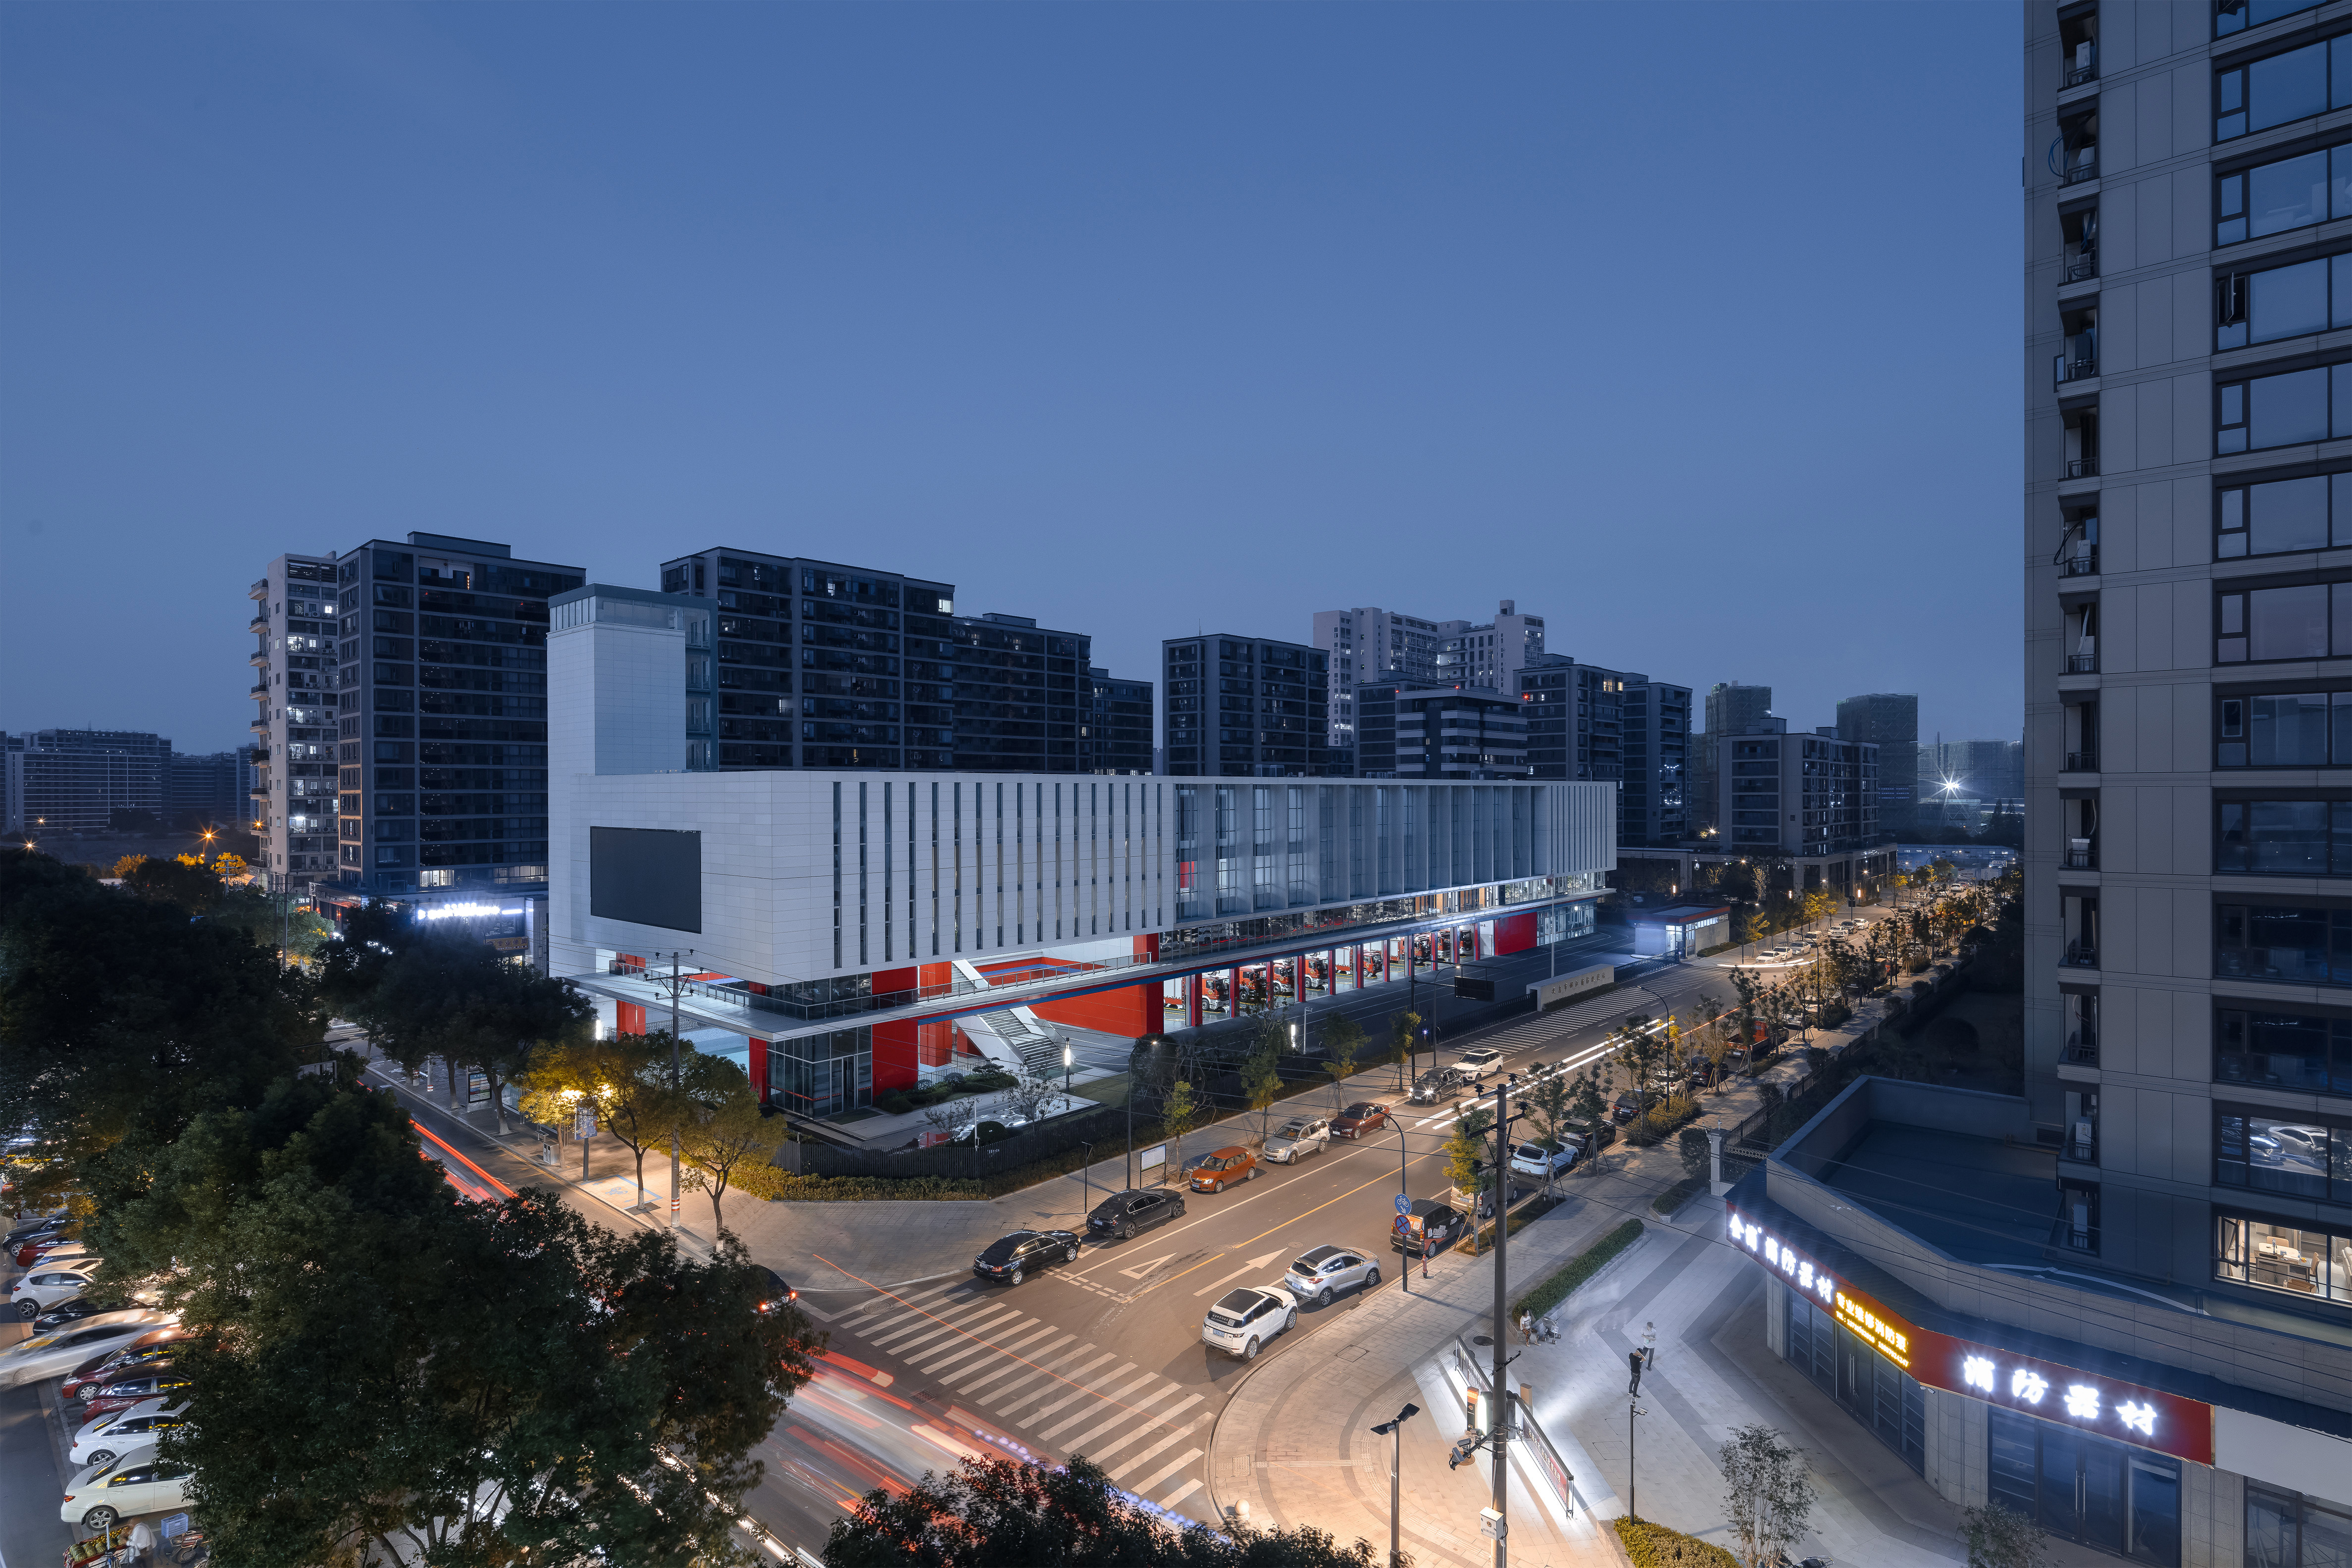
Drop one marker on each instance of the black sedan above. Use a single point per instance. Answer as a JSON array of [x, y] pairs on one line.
[[72, 1311], [1018, 1253], [777, 1293], [1122, 1214]]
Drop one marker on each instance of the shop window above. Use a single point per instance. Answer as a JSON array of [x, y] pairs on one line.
[[2291, 1258], [2108, 1495], [1873, 1390], [2287, 1530]]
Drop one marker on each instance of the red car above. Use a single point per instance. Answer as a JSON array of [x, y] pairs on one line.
[[123, 1361], [1363, 1116], [152, 1382], [41, 1247]]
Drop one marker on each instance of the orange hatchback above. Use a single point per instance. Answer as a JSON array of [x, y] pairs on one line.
[[1223, 1168]]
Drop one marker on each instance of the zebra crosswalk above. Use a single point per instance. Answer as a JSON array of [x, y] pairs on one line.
[[999, 1366]]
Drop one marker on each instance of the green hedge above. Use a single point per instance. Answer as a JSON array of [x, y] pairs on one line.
[[1656, 1546], [1675, 1196], [861, 1189], [1577, 1269]]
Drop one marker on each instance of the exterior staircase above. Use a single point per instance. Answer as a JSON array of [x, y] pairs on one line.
[[1012, 1038]]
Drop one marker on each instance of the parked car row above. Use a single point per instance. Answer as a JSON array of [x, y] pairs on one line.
[[115, 1358]]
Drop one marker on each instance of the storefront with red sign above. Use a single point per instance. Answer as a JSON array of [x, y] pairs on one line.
[[2091, 1459]]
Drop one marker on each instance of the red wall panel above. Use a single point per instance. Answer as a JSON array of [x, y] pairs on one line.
[[631, 1020], [1134, 1010], [1515, 932]]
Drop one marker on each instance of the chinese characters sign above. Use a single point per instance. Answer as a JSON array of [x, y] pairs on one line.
[[2125, 1411]]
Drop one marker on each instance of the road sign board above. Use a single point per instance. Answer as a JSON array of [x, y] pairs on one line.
[[1404, 1204]]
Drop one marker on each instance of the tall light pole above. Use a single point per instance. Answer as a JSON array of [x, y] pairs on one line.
[[1393, 1432], [675, 984]]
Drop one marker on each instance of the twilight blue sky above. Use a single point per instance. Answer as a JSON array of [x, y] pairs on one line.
[[1693, 328]]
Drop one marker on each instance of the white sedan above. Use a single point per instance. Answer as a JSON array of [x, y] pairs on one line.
[[103, 1495], [126, 1433], [55, 1354], [1537, 1160], [48, 1286]]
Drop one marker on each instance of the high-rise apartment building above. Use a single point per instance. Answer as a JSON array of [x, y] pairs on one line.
[[1116, 736], [1654, 801], [1735, 709], [1576, 718], [1240, 707], [1453, 733], [1791, 794], [86, 780], [1369, 644], [297, 624], [411, 677], [1490, 654], [2120, 1303], [215, 790], [1890, 721]]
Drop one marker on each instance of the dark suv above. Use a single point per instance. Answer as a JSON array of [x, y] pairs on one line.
[[1123, 1214], [1440, 1223]]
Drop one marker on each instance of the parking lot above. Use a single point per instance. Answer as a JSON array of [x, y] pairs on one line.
[[38, 1424]]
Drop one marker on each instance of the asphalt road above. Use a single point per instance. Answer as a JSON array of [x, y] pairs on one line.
[[1103, 1356]]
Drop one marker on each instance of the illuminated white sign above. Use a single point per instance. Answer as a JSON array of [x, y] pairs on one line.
[[462, 911]]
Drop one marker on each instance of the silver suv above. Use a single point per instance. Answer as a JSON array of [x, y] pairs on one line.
[[1320, 1271]]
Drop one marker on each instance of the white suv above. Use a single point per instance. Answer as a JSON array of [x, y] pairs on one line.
[[1244, 1320], [1481, 1063]]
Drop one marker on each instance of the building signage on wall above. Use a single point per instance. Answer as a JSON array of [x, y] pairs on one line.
[[2051, 1390]]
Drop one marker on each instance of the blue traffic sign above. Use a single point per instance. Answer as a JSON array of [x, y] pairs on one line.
[[1405, 1204]]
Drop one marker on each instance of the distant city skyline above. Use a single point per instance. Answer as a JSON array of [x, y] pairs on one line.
[[1133, 320]]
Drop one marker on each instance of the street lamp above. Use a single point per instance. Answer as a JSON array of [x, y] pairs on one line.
[[1393, 1432]]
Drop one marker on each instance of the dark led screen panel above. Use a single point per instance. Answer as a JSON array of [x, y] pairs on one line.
[[648, 875]]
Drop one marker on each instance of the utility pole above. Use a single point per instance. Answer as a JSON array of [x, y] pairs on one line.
[[1504, 1403], [677, 984]]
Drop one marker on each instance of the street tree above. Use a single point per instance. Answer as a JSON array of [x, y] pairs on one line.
[[2001, 1537], [182, 879], [1549, 1103], [998, 1513], [1819, 904], [121, 1020], [1179, 1116], [724, 1138], [1343, 1041], [1405, 1036], [1467, 1149], [1768, 1494], [624, 1076], [1262, 1072]]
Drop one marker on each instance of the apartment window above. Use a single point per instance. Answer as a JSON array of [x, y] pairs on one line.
[[2284, 729], [2283, 410], [2113, 1496], [2294, 944], [2295, 85], [2282, 302], [2290, 1257], [2282, 516], [2237, 16], [2302, 620], [2282, 837], [2307, 1054], [2288, 1529], [2295, 1152]]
